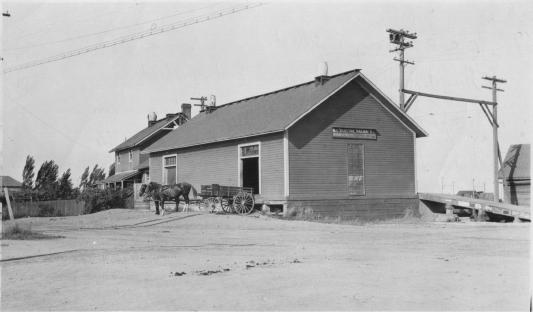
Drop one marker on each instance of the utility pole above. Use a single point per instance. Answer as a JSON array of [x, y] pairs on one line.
[[495, 147], [397, 37], [202, 100]]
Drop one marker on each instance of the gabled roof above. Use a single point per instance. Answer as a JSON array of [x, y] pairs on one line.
[[268, 113], [517, 162], [7, 181], [145, 133]]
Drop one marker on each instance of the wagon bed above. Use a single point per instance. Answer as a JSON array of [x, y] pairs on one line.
[[228, 198]]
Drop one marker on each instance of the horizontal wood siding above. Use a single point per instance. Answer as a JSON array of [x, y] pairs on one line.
[[125, 165], [217, 163], [351, 209], [272, 166], [143, 157], [156, 170], [318, 162]]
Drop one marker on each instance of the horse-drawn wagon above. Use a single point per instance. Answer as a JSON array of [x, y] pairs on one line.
[[228, 198]]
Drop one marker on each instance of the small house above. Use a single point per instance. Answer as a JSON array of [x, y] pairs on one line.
[[130, 165]]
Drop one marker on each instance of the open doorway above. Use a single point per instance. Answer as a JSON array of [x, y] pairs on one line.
[[250, 166], [250, 173]]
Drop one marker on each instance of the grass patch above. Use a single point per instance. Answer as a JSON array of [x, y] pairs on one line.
[[23, 232]]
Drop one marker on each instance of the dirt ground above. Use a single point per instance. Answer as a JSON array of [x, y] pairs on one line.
[[134, 260]]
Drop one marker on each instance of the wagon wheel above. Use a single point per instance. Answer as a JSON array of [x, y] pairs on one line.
[[227, 205], [213, 204], [243, 203]]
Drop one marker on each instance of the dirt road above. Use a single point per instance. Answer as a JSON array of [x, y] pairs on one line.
[[134, 260]]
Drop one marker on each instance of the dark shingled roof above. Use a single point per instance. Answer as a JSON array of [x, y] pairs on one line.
[[267, 113], [7, 181], [516, 165], [144, 133]]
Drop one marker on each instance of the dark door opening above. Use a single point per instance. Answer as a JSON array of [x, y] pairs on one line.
[[250, 173]]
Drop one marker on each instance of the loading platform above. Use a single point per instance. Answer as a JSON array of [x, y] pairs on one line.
[[476, 205]]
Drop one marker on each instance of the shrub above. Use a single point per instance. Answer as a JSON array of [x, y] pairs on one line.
[[22, 232], [98, 199]]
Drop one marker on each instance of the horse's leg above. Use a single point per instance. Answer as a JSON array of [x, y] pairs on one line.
[[156, 207], [186, 198], [162, 208], [177, 202]]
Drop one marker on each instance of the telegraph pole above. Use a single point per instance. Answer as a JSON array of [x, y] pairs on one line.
[[202, 100], [495, 147], [398, 37]]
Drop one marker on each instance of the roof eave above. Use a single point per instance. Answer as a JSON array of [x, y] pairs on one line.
[[420, 132], [148, 151], [117, 149], [357, 71]]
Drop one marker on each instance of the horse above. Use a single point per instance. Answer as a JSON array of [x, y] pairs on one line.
[[161, 193]]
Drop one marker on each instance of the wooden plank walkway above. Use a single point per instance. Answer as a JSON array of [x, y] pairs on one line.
[[521, 212]]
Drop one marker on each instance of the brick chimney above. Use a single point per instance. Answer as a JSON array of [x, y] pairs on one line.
[[152, 119], [186, 110], [322, 76]]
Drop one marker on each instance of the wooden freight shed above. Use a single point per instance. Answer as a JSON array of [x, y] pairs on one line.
[[517, 175], [336, 146]]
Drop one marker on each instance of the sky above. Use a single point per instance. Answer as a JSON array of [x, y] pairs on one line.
[[73, 111]]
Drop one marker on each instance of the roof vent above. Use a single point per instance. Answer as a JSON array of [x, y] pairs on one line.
[[322, 74], [152, 118]]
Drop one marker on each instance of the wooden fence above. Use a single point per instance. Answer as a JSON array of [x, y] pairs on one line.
[[49, 208]]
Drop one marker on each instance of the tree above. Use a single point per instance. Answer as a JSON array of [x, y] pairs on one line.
[[97, 174], [65, 185], [27, 173], [84, 177], [46, 181], [111, 170]]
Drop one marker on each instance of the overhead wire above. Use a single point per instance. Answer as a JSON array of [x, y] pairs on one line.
[[120, 40], [108, 30]]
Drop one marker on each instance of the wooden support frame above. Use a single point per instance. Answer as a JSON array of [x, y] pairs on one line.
[[491, 116], [446, 97]]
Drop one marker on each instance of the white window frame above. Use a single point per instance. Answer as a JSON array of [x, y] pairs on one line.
[[130, 156], [239, 162], [118, 158], [164, 177]]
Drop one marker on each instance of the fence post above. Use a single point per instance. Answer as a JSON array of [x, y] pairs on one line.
[[8, 204]]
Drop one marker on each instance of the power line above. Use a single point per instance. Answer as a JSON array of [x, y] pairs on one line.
[[136, 36], [108, 30]]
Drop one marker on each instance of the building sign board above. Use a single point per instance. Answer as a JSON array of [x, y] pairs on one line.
[[355, 133]]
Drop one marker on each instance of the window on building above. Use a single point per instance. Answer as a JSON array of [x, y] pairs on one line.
[[169, 169], [356, 169], [118, 158], [130, 156]]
